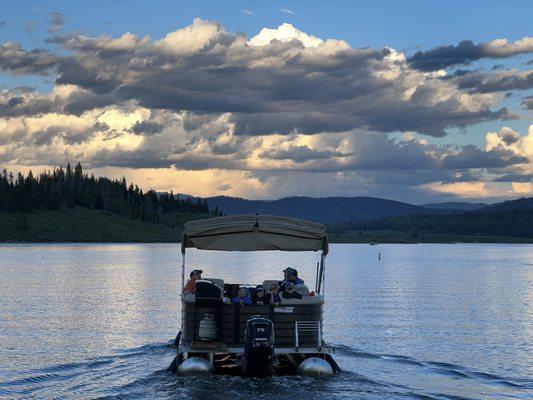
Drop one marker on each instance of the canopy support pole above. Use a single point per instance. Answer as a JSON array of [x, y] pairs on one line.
[[323, 261], [316, 277], [182, 271], [321, 273]]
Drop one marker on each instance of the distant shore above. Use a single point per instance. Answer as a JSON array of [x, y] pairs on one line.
[[82, 225]]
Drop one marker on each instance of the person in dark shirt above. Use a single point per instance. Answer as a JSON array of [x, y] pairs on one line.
[[272, 297], [289, 292], [291, 275], [259, 296]]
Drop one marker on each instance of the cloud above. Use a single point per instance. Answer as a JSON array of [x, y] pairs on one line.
[[64, 99], [300, 154], [287, 11], [21, 62], [279, 81], [466, 52], [29, 27], [528, 102], [248, 12], [57, 21], [282, 112], [495, 82], [285, 33], [523, 188], [462, 189], [471, 156]]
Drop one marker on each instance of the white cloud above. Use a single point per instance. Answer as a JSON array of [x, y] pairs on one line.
[[248, 12], [284, 112], [287, 11], [284, 33], [192, 38]]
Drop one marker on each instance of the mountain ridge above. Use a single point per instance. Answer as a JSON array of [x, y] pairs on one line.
[[338, 208]]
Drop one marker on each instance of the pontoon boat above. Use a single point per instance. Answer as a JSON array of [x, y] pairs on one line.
[[253, 340]]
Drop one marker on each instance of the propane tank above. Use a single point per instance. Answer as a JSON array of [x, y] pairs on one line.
[[207, 329]]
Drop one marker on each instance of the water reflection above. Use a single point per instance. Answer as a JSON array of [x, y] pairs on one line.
[[427, 320]]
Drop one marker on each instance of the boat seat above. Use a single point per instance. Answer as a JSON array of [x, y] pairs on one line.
[[216, 281]]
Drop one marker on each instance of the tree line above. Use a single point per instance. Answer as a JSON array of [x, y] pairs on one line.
[[71, 187], [516, 223]]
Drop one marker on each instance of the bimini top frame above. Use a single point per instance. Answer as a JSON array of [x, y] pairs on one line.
[[256, 233]]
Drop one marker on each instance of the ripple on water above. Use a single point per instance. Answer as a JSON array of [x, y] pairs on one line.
[[426, 322]]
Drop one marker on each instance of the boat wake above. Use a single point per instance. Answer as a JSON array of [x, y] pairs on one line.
[[142, 372]]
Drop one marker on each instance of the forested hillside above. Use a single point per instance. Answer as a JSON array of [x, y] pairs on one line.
[[511, 218], [68, 188], [323, 209]]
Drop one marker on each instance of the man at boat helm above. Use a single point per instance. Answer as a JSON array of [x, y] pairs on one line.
[[190, 287], [291, 275]]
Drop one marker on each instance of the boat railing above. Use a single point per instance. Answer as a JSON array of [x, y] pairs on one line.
[[307, 327]]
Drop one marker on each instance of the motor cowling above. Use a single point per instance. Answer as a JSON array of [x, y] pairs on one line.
[[259, 348]]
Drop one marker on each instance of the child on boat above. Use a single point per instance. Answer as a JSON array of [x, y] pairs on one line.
[[289, 292], [242, 298], [272, 297], [259, 296]]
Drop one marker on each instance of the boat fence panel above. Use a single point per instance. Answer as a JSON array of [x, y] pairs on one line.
[[303, 327], [232, 321]]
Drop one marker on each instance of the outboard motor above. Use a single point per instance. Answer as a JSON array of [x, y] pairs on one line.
[[259, 347]]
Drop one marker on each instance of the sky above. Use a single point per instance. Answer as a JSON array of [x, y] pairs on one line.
[[414, 101]]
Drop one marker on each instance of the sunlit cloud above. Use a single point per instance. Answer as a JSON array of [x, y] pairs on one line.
[[283, 112]]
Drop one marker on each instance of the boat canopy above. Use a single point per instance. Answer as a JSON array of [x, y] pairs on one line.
[[254, 232]]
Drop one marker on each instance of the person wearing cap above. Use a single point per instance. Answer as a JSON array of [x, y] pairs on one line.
[[259, 296], [289, 292], [291, 275], [190, 286]]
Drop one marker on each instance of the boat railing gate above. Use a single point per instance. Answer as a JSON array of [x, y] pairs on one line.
[[307, 327]]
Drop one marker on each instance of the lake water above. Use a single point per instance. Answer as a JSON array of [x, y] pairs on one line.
[[427, 321]]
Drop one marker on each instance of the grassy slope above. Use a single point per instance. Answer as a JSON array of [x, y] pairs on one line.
[[85, 225]]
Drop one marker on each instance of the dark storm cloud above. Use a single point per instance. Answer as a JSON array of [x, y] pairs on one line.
[[481, 82], [79, 102], [21, 62], [27, 102], [466, 52], [514, 177], [518, 81], [147, 127], [472, 157], [129, 159], [300, 154]]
